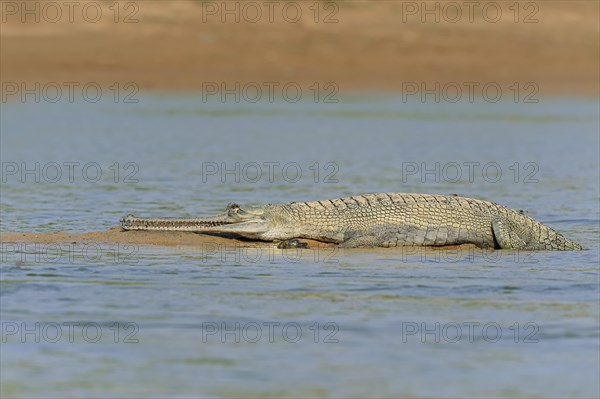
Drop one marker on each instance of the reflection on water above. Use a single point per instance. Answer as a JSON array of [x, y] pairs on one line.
[[98, 319]]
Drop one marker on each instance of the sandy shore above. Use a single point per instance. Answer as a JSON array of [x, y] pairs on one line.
[[117, 235], [358, 45], [206, 243]]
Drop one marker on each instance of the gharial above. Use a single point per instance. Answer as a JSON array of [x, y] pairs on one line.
[[377, 220]]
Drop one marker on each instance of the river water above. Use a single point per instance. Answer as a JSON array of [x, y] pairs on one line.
[[102, 319]]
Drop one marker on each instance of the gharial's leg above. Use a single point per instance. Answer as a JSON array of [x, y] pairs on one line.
[[507, 235], [293, 243]]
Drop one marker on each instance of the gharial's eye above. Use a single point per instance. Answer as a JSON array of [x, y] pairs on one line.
[[233, 207]]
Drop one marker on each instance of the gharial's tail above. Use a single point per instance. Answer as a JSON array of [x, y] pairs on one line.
[[529, 234]]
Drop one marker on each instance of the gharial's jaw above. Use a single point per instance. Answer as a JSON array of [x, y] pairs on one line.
[[250, 224], [253, 228]]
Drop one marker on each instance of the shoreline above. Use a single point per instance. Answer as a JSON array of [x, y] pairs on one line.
[[371, 47], [116, 235]]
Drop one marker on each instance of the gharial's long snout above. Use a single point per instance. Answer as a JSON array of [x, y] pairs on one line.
[[250, 223]]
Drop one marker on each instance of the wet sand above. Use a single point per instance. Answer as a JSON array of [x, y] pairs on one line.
[[118, 236]]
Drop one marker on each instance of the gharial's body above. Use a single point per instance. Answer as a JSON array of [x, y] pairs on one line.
[[377, 220]]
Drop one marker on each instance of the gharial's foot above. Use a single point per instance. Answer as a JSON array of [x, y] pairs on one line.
[[293, 243]]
